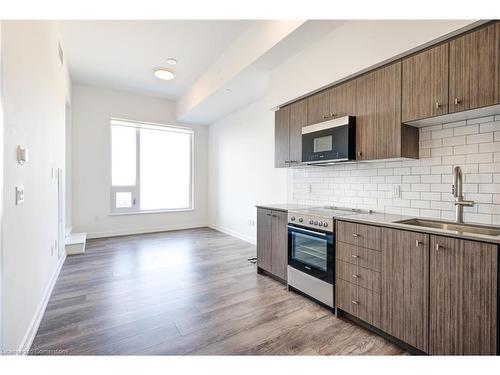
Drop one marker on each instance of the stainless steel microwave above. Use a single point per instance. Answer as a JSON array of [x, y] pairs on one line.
[[329, 141]]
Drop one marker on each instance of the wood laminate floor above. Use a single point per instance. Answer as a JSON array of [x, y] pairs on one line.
[[186, 292]]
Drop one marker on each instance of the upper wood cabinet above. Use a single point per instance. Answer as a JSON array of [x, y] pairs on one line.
[[282, 137], [463, 297], [474, 69], [332, 103], [405, 286], [318, 107], [272, 248], [425, 84], [379, 133], [343, 99], [288, 123]]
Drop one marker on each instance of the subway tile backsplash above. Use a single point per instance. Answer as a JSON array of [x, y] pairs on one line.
[[417, 187]]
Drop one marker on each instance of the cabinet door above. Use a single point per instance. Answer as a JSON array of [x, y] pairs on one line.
[[279, 244], [264, 239], [473, 69], [319, 107], [343, 99], [281, 137], [388, 94], [298, 119], [366, 117], [405, 286], [463, 297], [425, 84]]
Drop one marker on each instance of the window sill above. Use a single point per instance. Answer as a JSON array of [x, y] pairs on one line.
[[150, 212]]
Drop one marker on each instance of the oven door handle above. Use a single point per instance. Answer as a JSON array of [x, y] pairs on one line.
[[306, 231]]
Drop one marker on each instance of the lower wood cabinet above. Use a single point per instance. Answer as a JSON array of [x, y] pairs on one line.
[[463, 297], [438, 294], [405, 286], [272, 242]]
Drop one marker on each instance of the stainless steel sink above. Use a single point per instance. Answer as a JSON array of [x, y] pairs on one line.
[[458, 228]]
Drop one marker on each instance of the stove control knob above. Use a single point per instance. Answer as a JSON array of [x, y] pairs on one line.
[[292, 218], [311, 222], [325, 224], [300, 220], [320, 223], [315, 222]]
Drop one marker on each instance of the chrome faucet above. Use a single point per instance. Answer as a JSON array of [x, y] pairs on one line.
[[456, 190]]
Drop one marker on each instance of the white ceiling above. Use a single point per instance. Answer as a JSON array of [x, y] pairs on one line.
[[122, 54]]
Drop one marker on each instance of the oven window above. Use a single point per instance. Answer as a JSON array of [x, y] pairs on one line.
[[323, 144], [310, 250]]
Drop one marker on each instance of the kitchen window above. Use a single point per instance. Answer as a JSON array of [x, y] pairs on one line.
[[151, 167]]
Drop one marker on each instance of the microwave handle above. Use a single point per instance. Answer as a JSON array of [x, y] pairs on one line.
[[306, 231]]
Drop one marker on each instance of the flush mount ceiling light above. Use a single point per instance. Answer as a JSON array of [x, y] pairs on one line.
[[171, 61], [163, 74]]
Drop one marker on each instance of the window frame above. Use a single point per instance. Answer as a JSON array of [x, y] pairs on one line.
[[136, 189]]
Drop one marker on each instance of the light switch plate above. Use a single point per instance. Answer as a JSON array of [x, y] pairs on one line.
[[19, 194]]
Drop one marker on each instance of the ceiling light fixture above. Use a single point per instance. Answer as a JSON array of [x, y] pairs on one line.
[[171, 61], [163, 74]]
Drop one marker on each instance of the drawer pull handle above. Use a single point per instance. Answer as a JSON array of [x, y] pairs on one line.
[[354, 302], [355, 256], [438, 105], [355, 235], [438, 247], [418, 243], [355, 276]]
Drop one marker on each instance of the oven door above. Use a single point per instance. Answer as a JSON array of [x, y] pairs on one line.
[[311, 252]]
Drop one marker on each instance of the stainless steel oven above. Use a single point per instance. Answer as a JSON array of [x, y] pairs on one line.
[[312, 252]]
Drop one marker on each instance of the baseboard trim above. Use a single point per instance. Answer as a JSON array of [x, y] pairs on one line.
[[128, 232], [233, 233], [35, 322]]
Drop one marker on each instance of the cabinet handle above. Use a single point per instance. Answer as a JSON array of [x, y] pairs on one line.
[[287, 161], [354, 302], [333, 114], [355, 276], [355, 235], [438, 247], [438, 105], [355, 256], [457, 101], [268, 214], [293, 161], [273, 215], [418, 243], [360, 153]]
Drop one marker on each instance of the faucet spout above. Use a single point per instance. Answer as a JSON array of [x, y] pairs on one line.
[[457, 191]]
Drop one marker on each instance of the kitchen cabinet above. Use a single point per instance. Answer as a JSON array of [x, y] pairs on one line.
[[463, 297], [405, 286], [272, 242], [319, 107], [282, 137], [288, 123], [474, 69], [425, 84], [358, 283], [379, 132], [332, 103]]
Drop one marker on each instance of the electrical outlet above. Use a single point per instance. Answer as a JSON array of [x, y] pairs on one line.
[[396, 191]]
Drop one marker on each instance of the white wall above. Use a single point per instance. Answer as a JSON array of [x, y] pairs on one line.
[[92, 108], [68, 170], [242, 173], [33, 85], [350, 48], [425, 183], [1, 193]]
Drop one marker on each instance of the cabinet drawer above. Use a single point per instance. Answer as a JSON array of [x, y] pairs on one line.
[[346, 296], [359, 275], [367, 236], [359, 302], [359, 256]]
